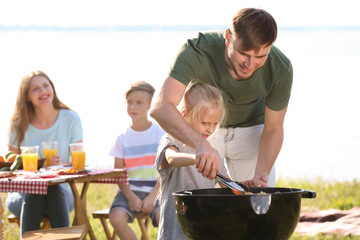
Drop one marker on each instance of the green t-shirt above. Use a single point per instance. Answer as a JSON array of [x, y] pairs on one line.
[[202, 59]]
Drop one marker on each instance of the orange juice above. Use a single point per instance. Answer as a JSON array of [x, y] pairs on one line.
[[49, 153], [30, 161], [78, 160]]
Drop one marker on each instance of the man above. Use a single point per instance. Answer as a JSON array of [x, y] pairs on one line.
[[255, 79]]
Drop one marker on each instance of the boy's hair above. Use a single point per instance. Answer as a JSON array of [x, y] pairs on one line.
[[255, 27], [201, 96], [140, 86]]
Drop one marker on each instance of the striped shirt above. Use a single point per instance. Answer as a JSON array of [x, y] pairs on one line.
[[138, 149]]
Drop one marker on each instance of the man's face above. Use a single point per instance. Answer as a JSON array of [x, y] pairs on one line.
[[242, 64]]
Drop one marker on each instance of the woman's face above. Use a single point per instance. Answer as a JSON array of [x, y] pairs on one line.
[[40, 91], [208, 121]]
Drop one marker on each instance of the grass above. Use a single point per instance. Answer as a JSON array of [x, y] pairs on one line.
[[330, 194], [339, 195]]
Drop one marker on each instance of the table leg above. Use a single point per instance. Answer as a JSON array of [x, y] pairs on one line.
[[80, 216]]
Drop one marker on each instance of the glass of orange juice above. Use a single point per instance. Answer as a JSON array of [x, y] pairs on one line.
[[29, 155], [49, 150], [78, 155]]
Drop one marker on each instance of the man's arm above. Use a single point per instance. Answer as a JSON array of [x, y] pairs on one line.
[[270, 144], [167, 115]]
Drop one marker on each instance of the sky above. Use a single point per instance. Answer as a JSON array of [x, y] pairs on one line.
[[311, 52], [69, 13]]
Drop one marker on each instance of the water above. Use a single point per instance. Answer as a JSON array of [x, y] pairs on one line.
[[91, 69]]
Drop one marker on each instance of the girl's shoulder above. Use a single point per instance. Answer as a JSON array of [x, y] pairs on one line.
[[168, 140]]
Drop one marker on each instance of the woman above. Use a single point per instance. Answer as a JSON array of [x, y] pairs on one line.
[[40, 116]]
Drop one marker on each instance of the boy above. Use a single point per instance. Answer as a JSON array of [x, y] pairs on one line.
[[135, 149]]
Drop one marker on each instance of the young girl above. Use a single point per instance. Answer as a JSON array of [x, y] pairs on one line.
[[204, 110], [40, 116]]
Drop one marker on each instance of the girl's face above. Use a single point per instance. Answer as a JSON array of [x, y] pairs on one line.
[[40, 91], [138, 104], [208, 121]]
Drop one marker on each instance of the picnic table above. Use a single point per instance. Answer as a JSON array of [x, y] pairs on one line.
[[37, 183]]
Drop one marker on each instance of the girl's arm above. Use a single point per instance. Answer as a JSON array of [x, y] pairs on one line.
[[179, 159]]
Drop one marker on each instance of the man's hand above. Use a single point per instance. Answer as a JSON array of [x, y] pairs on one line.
[[207, 160], [257, 181]]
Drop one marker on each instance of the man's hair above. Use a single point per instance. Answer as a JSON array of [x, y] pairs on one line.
[[255, 27], [140, 86]]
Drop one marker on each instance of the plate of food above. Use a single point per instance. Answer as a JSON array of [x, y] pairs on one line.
[[73, 171], [48, 174], [6, 174]]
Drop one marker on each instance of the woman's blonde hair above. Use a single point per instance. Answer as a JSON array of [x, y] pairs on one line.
[[24, 109], [201, 96]]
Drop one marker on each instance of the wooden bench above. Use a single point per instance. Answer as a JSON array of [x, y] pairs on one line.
[[142, 220], [66, 233], [45, 224]]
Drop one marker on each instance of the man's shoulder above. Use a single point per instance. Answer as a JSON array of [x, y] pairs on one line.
[[205, 39], [278, 56]]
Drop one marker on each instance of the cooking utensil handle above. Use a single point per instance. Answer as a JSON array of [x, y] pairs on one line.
[[243, 186], [308, 194]]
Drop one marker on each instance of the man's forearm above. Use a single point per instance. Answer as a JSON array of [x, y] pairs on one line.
[[269, 148], [170, 119]]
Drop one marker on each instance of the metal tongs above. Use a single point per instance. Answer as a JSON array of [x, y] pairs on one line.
[[234, 187]]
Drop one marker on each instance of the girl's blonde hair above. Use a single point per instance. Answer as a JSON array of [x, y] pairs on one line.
[[24, 109], [201, 96]]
